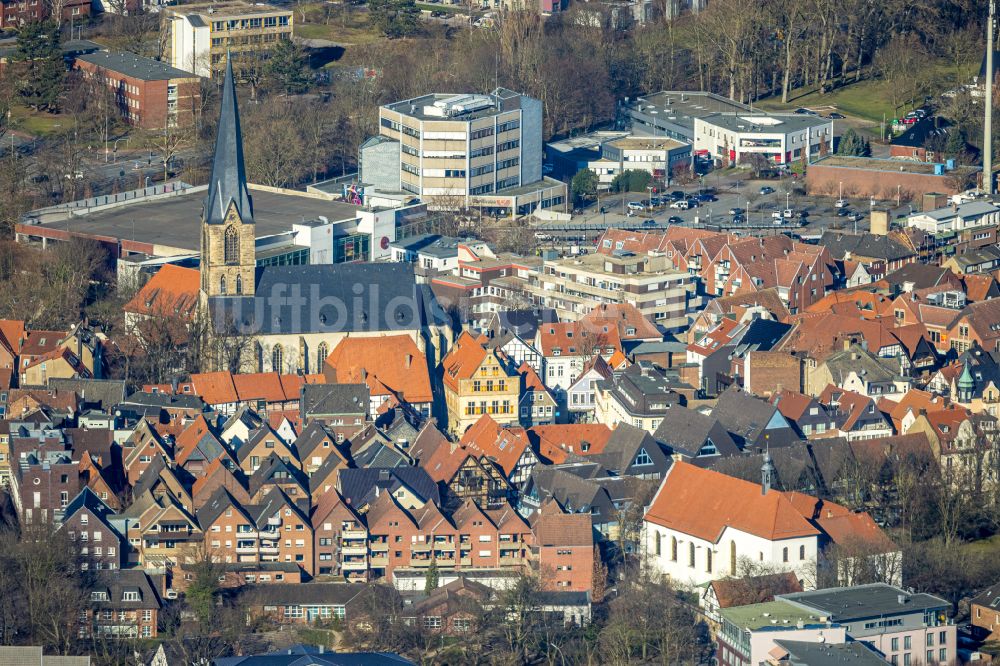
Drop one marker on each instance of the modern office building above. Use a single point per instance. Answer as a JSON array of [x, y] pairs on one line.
[[199, 35], [672, 113], [458, 151], [732, 138]]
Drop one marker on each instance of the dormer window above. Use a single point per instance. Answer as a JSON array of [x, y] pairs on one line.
[[131, 595], [99, 595]]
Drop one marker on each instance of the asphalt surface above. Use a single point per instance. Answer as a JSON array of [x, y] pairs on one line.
[[730, 193]]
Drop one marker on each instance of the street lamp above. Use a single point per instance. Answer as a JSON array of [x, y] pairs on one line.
[[115, 149]]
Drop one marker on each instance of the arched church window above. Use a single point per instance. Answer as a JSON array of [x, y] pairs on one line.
[[232, 242], [277, 359]]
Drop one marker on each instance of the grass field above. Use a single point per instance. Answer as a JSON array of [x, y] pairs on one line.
[[868, 99], [36, 123], [352, 29]]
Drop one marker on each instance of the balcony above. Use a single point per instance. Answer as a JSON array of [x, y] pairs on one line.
[[382, 547], [511, 561], [379, 560], [269, 550], [269, 534], [354, 550], [354, 534], [354, 566], [276, 522], [420, 547], [465, 561], [246, 550], [420, 563]]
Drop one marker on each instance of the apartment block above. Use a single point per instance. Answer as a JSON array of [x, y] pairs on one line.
[[148, 93], [200, 35], [573, 286], [463, 150]]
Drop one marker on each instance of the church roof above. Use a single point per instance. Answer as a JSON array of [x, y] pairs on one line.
[[341, 298], [228, 183]]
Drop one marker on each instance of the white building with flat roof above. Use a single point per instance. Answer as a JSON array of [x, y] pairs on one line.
[[781, 138]]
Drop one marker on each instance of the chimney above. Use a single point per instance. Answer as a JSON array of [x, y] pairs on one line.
[[409, 361], [364, 375]]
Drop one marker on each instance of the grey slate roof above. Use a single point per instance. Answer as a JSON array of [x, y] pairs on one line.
[[370, 297], [841, 243], [228, 182], [115, 583], [379, 455], [88, 499], [161, 401], [746, 417], [357, 486], [686, 430], [990, 597], [135, 66], [103, 393], [805, 653], [333, 399], [275, 470]]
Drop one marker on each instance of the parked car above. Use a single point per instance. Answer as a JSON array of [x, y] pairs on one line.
[[836, 116], [677, 195], [739, 219], [736, 211], [706, 197], [776, 215], [683, 204], [636, 205], [649, 223], [802, 111], [788, 213], [767, 189], [855, 217], [693, 203], [539, 235], [841, 203], [673, 219], [655, 202]]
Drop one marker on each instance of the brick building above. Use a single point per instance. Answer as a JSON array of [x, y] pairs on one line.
[[87, 522], [148, 93], [565, 546], [882, 178], [123, 605], [15, 13]]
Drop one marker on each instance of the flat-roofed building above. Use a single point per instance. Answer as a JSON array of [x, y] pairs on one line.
[[148, 93], [733, 138], [672, 113], [200, 35], [573, 286], [466, 150]]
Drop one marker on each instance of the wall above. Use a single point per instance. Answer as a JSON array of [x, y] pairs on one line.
[[825, 180]]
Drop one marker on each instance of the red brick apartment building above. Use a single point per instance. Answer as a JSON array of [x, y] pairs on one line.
[[14, 13], [149, 94]]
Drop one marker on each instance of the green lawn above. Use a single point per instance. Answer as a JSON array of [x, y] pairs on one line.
[[985, 546], [868, 99], [37, 123], [454, 9], [352, 29]]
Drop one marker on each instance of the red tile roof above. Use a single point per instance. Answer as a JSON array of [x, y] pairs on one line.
[[504, 444], [555, 442], [393, 360], [172, 291], [463, 359], [702, 503]]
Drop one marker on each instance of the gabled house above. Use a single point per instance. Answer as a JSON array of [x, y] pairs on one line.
[[341, 539], [197, 446], [692, 435], [478, 381], [391, 366], [567, 346], [565, 544], [411, 487], [754, 424], [581, 396], [508, 447], [261, 444], [556, 443], [640, 395], [276, 473], [314, 445], [220, 473], [807, 414], [632, 452], [538, 406], [87, 522], [857, 369], [161, 529], [124, 605], [856, 416], [342, 408]]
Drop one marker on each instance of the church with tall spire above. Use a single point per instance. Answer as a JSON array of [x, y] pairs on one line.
[[228, 233], [295, 314]]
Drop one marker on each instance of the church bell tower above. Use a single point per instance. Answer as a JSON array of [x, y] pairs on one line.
[[227, 225]]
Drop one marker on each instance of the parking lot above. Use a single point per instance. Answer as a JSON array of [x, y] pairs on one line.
[[728, 194]]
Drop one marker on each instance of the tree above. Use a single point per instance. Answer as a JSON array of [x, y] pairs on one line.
[[431, 577], [851, 143], [583, 185], [287, 67], [39, 64], [395, 18], [631, 180]]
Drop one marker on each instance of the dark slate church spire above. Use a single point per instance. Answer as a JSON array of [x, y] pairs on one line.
[[229, 180]]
